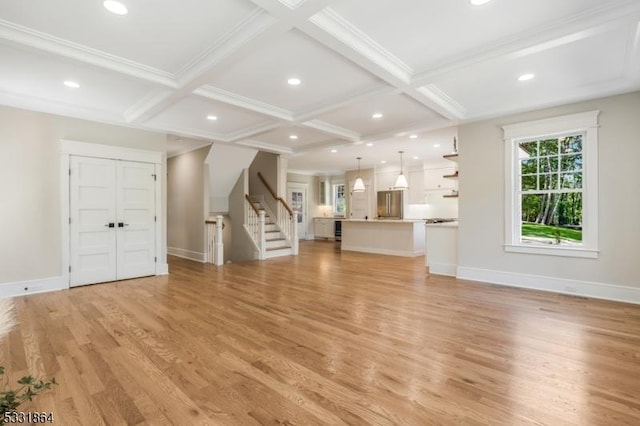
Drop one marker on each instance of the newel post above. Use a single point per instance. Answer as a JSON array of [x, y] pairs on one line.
[[262, 242], [219, 252], [294, 233]]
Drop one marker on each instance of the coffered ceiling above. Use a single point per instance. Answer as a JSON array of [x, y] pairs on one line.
[[174, 66]]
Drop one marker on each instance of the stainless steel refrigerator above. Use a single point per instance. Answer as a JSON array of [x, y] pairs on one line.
[[390, 204]]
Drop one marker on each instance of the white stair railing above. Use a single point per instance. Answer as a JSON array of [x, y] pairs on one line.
[[286, 217], [215, 245], [254, 223]]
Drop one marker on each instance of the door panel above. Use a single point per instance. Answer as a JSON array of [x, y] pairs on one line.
[[92, 208], [120, 193], [297, 199], [136, 219]]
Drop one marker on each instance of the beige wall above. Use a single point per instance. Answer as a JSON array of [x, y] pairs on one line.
[[267, 164], [30, 186], [481, 165], [186, 198]]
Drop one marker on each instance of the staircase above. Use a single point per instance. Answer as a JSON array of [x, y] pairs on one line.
[[276, 243]]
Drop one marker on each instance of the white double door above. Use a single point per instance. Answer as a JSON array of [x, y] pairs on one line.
[[112, 220]]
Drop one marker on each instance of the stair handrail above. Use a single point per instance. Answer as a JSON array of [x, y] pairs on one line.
[[274, 195]]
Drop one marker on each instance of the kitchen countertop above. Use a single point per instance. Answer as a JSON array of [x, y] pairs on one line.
[[442, 225]]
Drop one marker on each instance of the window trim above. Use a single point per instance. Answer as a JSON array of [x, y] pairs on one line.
[[587, 123]]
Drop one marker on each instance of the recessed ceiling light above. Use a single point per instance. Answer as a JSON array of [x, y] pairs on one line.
[[369, 143], [479, 2], [383, 162], [294, 81], [333, 151], [115, 7], [293, 137], [413, 137], [436, 145], [212, 117], [416, 158], [71, 84], [526, 77], [377, 115]]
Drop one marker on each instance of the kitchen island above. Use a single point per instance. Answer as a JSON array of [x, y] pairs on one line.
[[393, 237]]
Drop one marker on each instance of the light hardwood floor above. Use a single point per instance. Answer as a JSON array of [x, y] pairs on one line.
[[326, 338]]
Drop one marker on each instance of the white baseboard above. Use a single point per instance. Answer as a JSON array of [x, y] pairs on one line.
[[443, 269], [186, 254], [403, 253], [22, 288], [557, 285], [162, 269]]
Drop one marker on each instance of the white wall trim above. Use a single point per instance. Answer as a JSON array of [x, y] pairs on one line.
[[86, 149], [403, 253], [23, 288], [162, 269], [556, 285], [186, 254]]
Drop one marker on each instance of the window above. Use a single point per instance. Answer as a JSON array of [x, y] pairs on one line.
[[339, 201], [551, 191]]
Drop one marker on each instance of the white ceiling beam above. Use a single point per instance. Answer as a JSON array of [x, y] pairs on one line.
[[234, 99], [339, 35], [263, 146], [331, 129], [256, 31]]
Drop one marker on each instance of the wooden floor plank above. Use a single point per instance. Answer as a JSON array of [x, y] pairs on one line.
[[327, 337]]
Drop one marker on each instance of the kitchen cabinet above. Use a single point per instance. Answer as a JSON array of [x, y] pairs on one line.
[[434, 179], [323, 192], [386, 180], [323, 227], [416, 186]]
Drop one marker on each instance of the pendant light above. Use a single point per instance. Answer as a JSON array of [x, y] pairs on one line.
[[401, 182], [359, 185]]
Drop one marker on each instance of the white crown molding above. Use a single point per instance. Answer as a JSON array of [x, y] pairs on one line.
[[41, 41], [616, 86], [247, 30], [332, 105], [230, 98], [572, 28], [341, 29], [332, 130], [34, 103], [632, 69], [278, 149], [452, 107], [137, 110]]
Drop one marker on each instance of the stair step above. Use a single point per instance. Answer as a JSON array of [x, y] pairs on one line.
[[286, 246]]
